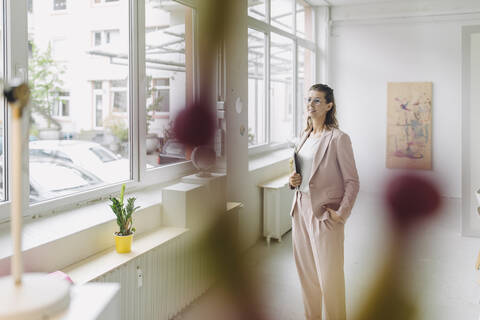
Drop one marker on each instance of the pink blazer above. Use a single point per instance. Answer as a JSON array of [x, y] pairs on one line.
[[334, 179]]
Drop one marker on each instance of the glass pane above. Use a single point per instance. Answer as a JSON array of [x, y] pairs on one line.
[[256, 88], [168, 57], [59, 5], [80, 97], [306, 78], [304, 20], [281, 88], [282, 14], [257, 9]]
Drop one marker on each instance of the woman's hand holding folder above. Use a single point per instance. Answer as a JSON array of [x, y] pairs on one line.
[[295, 179]]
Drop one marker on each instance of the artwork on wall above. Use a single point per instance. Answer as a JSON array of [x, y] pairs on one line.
[[409, 125]]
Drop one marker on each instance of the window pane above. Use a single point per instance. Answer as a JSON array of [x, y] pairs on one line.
[[306, 78], [168, 58], [257, 9], [282, 14], [98, 110], [256, 88], [120, 101], [281, 88], [59, 4], [80, 98], [304, 20]]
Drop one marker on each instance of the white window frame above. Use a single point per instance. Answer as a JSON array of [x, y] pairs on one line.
[[16, 62], [266, 28], [103, 36]]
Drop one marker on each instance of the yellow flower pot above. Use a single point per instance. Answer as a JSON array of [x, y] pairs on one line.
[[123, 244]]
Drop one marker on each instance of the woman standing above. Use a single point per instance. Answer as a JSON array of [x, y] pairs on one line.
[[327, 185]]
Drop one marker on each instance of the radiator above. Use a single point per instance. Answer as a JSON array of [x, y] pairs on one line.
[[163, 281], [277, 201]]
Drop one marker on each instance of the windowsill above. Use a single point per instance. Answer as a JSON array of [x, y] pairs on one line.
[[108, 260], [49, 229], [268, 158]]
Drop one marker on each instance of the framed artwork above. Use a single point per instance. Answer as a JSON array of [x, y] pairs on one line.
[[409, 125]]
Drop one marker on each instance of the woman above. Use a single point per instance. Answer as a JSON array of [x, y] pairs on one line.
[[327, 185]]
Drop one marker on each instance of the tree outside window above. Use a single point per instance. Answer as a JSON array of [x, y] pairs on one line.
[[46, 84]]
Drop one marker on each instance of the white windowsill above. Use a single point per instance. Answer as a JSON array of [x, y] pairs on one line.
[[55, 228], [265, 159]]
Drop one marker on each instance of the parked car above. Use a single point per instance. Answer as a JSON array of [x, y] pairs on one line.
[[51, 178], [55, 178], [90, 156]]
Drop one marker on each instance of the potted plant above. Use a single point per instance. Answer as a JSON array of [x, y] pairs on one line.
[[124, 212]]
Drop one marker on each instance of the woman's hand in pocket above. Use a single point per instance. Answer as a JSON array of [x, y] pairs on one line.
[[295, 179], [334, 215]]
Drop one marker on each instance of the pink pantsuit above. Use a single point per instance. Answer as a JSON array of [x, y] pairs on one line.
[[317, 238]]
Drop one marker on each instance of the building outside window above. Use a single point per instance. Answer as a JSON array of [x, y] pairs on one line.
[[98, 121]]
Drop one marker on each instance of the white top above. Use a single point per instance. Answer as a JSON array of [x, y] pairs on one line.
[[305, 159]]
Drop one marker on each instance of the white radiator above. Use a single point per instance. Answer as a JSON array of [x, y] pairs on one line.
[[163, 281], [277, 201]]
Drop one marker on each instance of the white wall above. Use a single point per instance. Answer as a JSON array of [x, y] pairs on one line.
[[365, 55]]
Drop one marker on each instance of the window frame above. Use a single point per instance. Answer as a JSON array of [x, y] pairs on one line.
[[267, 28], [16, 41]]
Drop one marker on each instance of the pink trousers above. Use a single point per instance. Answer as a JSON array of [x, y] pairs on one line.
[[318, 253]]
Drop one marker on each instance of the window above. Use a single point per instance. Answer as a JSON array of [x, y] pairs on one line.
[[58, 5], [168, 62], [257, 9], [61, 106], [119, 95], [105, 37], [98, 103], [281, 65], [282, 14], [304, 20], [281, 88], [256, 88], [77, 122], [86, 137], [305, 78]]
